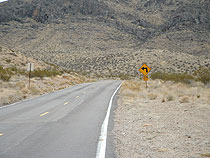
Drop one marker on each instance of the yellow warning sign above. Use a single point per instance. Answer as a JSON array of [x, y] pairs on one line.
[[146, 78], [145, 69]]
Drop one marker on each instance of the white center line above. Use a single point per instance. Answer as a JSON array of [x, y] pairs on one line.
[[77, 96], [1, 134], [66, 103], [44, 114]]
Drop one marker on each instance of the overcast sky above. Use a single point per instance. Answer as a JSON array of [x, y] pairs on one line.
[[2, 0]]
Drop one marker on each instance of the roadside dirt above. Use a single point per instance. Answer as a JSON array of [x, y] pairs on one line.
[[168, 120]]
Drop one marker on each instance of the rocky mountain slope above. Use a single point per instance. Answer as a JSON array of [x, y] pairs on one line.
[[97, 36]]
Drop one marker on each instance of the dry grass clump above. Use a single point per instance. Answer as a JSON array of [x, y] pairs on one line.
[[184, 100], [152, 96], [130, 88], [129, 93], [206, 155], [170, 98], [163, 100], [34, 90], [10, 99], [25, 91], [132, 85], [20, 85]]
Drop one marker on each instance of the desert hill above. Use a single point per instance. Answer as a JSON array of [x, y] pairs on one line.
[[109, 36], [14, 85]]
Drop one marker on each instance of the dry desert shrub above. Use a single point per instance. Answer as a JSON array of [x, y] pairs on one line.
[[184, 99], [131, 88], [163, 100], [20, 85], [11, 99], [5, 74], [60, 88], [34, 90], [170, 98], [45, 90], [205, 155], [129, 93], [132, 85], [152, 96], [24, 91], [66, 83], [203, 75]]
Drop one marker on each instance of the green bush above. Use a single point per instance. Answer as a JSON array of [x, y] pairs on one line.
[[5, 74], [176, 77], [203, 75], [45, 73]]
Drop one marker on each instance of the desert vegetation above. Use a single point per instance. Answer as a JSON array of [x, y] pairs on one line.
[[17, 87], [113, 37], [14, 85], [201, 75], [169, 119], [46, 73], [5, 74]]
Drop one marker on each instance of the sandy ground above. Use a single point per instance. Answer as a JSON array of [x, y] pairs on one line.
[[167, 120]]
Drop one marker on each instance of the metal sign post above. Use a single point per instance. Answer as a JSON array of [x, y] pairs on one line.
[[30, 68], [146, 78]]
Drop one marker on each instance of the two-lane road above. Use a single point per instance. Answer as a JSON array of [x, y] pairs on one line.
[[63, 124]]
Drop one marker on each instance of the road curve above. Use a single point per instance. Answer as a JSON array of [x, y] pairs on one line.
[[63, 124]]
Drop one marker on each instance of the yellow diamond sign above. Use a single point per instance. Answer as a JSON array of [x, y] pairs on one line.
[[145, 69], [146, 78]]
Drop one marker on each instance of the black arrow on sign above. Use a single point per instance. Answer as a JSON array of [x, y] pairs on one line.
[[144, 69]]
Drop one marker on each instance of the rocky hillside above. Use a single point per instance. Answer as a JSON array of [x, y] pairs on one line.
[[93, 35], [14, 85]]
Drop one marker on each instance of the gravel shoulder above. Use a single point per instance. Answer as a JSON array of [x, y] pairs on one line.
[[149, 123]]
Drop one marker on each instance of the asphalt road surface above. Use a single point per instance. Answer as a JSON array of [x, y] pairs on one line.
[[63, 124]]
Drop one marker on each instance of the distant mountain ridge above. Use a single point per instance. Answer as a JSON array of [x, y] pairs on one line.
[[49, 10], [77, 28]]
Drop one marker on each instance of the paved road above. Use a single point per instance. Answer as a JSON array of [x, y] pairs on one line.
[[64, 124]]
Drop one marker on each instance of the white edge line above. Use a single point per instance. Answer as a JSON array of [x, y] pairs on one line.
[[101, 149]]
